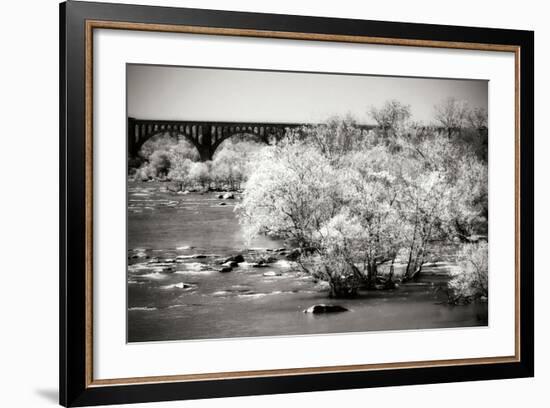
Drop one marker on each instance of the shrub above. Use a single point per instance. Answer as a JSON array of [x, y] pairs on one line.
[[199, 173], [470, 279], [179, 172], [159, 162]]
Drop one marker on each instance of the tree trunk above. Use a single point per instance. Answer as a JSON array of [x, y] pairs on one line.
[[372, 273]]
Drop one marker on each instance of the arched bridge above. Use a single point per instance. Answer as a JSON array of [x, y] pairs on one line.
[[205, 136]]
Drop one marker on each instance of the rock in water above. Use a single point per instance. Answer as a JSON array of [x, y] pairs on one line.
[[222, 203], [273, 273], [226, 269], [322, 308], [228, 196], [237, 258], [260, 264], [263, 262]]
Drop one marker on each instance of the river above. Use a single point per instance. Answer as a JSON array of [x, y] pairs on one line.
[[176, 292]]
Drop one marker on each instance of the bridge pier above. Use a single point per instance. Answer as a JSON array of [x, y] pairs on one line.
[[205, 153]]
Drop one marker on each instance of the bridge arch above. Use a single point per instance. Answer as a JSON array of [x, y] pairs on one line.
[[205, 136]]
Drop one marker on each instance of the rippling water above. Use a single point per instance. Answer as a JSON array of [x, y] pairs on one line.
[[175, 292]]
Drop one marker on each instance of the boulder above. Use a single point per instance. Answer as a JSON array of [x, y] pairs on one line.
[[222, 203], [220, 196], [322, 308], [272, 273], [225, 269], [229, 196], [264, 260], [231, 264], [236, 258], [181, 285]]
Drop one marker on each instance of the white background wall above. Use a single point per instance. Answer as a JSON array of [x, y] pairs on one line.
[[29, 203]]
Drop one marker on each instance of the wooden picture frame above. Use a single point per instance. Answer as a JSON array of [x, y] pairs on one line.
[[78, 20]]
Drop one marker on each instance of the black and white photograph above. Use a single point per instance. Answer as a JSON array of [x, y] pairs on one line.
[[275, 204], [269, 203]]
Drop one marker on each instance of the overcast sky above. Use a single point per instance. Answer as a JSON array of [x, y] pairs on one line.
[[179, 93]]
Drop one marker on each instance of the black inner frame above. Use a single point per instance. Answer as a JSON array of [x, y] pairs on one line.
[[73, 391]]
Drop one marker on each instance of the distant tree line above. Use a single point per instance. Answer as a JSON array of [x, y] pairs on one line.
[[169, 159]]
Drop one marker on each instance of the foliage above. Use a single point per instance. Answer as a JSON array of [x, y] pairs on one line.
[[292, 193], [161, 154], [470, 279], [451, 114], [353, 202], [467, 126], [175, 146], [370, 204], [167, 158], [477, 118], [334, 138], [391, 118], [199, 173], [159, 162], [179, 172], [230, 167]]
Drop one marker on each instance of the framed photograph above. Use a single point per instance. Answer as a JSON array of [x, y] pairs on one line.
[[256, 203]]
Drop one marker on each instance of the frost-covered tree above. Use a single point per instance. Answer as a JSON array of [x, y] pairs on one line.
[[371, 194], [451, 114], [354, 204], [342, 215], [477, 118], [469, 280], [159, 161], [334, 138], [444, 194], [292, 193], [179, 171], [230, 166], [424, 208], [199, 173], [391, 118]]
